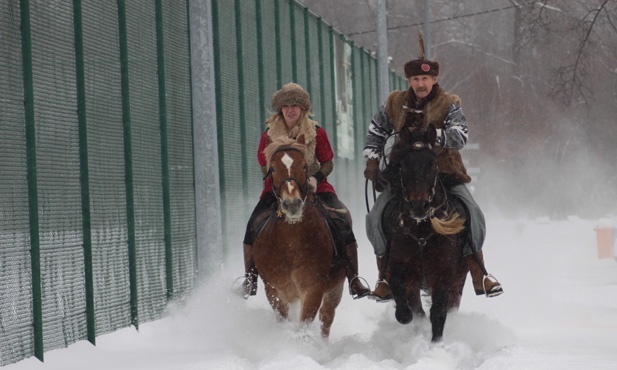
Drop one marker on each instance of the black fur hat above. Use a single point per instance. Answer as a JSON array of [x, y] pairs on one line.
[[421, 66]]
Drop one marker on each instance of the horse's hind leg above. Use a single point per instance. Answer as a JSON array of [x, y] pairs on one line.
[[456, 291]]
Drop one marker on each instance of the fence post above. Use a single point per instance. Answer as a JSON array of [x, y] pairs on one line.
[[292, 28], [241, 104], [84, 170], [334, 139], [128, 161], [160, 59], [33, 201]]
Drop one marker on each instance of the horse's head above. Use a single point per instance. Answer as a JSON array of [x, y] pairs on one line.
[[287, 169], [414, 160]]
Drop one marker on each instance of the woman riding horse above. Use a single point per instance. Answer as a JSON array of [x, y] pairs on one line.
[[295, 252], [292, 105]]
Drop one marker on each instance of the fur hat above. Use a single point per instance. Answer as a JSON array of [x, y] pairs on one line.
[[291, 94], [421, 66]]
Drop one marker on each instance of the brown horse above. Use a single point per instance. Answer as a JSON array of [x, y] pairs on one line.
[[424, 253], [295, 253]]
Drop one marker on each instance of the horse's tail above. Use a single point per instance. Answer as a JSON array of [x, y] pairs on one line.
[[453, 224]]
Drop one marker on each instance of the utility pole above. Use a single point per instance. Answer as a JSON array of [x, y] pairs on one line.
[[382, 52], [427, 29]]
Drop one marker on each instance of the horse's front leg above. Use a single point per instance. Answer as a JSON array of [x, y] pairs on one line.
[[328, 309], [439, 312], [399, 288], [281, 308], [311, 300], [414, 300]]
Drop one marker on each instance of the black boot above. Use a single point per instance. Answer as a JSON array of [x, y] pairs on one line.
[[382, 292], [249, 286], [483, 282], [357, 289]]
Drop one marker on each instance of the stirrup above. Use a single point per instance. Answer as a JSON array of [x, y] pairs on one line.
[[495, 290], [238, 287], [358, 296], [379, 299]]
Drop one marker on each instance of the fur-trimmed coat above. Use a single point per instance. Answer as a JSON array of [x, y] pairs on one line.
[[318, 149], [443, 110]]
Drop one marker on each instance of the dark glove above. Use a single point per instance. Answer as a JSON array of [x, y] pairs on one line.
[[372, 169]]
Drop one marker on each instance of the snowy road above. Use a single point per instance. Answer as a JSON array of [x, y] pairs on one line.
[[559, 312]]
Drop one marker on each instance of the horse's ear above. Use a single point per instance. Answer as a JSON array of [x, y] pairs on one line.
[[431, 134], [300, 139]]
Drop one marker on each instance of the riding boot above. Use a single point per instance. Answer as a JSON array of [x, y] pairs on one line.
[[483, 282], [357, 289], [382, 292], [249, 285]]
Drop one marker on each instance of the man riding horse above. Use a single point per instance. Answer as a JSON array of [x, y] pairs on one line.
[[424, 103], [292, 107]]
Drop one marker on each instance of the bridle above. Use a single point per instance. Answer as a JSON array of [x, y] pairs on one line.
[[431, 212], [277, 188]]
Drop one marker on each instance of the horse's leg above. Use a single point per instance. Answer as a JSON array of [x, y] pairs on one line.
[[456, 292], [329, 303], [310, 301], [402, 313], [414, 300], [281, 308], [439, 311]]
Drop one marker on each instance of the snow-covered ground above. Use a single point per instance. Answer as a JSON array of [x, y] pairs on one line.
[[559, 311]]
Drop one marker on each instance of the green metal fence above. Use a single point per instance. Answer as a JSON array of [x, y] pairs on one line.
[[97, 208], [97, 190], [258, 47]]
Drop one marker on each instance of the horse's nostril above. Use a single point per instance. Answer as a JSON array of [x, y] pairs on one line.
[[291, 205]]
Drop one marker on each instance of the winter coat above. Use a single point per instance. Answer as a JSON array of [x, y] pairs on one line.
[[439, 111]]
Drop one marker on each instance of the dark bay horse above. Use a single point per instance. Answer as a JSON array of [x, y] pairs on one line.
[[294, 253], [424, 254]]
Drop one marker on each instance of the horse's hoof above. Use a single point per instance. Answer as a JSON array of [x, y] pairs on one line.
[[403, 315]]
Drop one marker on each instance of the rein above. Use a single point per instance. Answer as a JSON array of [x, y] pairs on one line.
[[418, 146]]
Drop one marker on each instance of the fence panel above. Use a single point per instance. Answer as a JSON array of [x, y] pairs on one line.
[[16, 331], [85, 85], [263, 45]]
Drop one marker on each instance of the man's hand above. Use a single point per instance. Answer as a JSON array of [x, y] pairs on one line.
[[372, 169], [312, 184]]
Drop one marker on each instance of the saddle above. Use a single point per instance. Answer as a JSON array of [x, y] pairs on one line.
[[390, 212], [337, 224]]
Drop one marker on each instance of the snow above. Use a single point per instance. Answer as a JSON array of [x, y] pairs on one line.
[[559, 311]]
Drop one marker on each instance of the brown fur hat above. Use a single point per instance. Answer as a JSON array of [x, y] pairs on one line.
[[421, 66], [291, 94]]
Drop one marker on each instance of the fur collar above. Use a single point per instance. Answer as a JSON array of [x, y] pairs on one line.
[[278, 128]]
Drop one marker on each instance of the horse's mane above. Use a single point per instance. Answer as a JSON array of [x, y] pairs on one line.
[[283, 143]]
